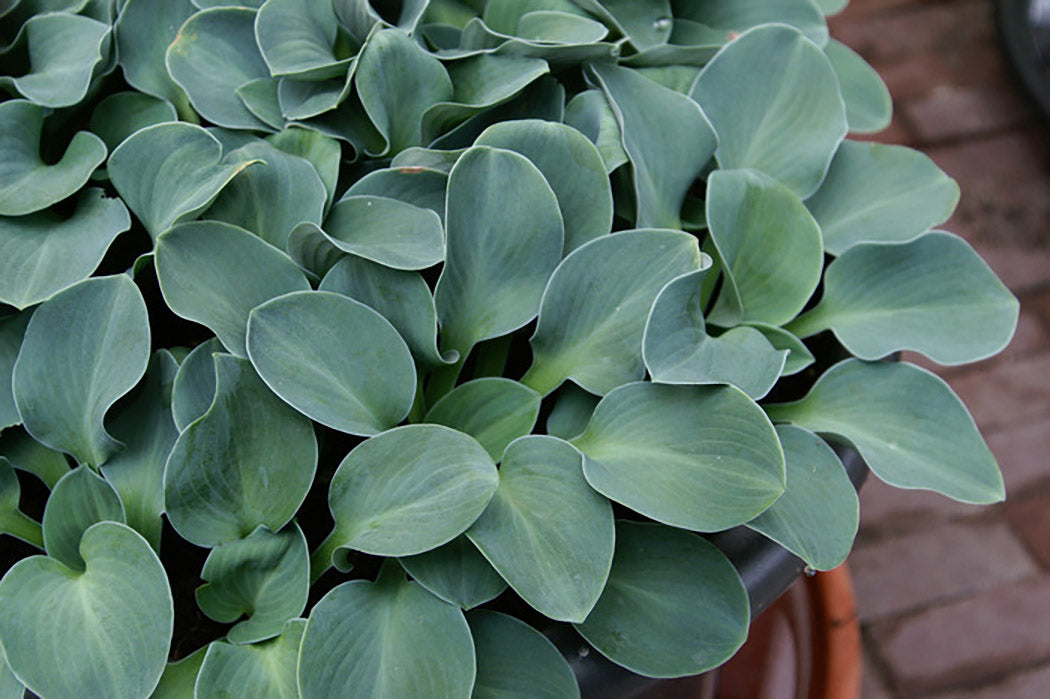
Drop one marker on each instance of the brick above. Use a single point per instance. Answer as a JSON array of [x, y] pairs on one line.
[[872, 685], [1022, 454], [897, 133], [1007, 393], [1021, 268], [935, 565], [971, 65], [947, 113], [1034, 684], [1031, 520], [959, 645], [886, 509]]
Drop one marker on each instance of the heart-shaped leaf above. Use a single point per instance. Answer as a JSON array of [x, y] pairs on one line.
[[868, 104], [144, 30], [668, 139], [697, 457], [63, 50], [674, 605], [880, 193], [934, 295], [546, 531], [27, 183], [265, 576], [144, 424], [595, 306], [387, 638], [84, 348], [319, 150], [515, 660], [817, 516], [403, 298], [774, 101], [248, 461], [398, 81], [271, 198], [221, 36], [301, 38], [12, 329], [421, 186], [493, 410], [387, 231], [505, 237], [678, 350], [118, 613], [262, 670], [590, 114], [43, 253], [387, 492], [456, 572], [769, 245], [194, 386], [123, 113], [908, 424], [572, 167], [16, 523], [197, 267], [82, 498], [333, 359], [170, 173]]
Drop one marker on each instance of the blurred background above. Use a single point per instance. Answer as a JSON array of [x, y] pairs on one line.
[[954, 600]]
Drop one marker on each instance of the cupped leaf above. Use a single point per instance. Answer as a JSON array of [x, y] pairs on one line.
[[170, 173], [868, 104], [504, 16], [260, 670], [738, 17], [560, 28], [403, 298], [118, 614], [505, 237], [84, 348], [200, 265], [421, 186], [674, 605], [798, 355], [300, 38], [817, 516], [666, 136], [248, 461], [310, 248], [144, 30], [697, 457], [333, 359], [644, 23], [27, 183], [456, 572], [480, 83], [63, 50], [321, 151], [213, 54], [271, 198], [387, 638], [678, 350], [879, 193], [571, 165], [43, 253], [398, 81], [595, 306], [360, 16], [16, 523], [774, 101], [495, 411], [144, 424], [590, 114], [265, 576], [933, 295], [194, 386], [410, 490], [572, 411], [387, 231], [82, 498], [515, 660], [909, 426], [769, 245], [12, 330], [179, 677], [123, 113], [546, 531]]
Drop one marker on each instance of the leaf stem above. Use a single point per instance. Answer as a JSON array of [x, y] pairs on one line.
[[809, 323], [492, 357], [22, 527], [321, 559]]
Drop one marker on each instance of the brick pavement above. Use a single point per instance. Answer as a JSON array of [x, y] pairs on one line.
[[955, 599]]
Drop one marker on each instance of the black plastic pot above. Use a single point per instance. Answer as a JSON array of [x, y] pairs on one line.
[[1024, 29], [766, 568]]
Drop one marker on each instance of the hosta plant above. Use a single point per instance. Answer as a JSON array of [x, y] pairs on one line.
[[348, 347]]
